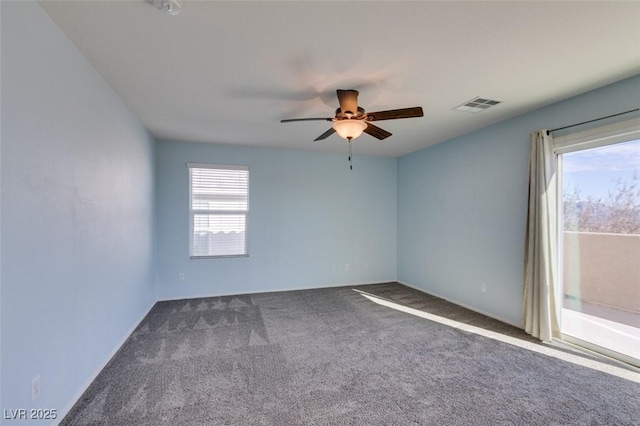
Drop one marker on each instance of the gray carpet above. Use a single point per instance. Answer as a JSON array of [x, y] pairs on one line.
[[332, 356]]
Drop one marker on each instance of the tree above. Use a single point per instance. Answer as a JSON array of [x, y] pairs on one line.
[[618, 214]]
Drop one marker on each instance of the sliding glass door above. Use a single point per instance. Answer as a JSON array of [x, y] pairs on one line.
[[600, 247]]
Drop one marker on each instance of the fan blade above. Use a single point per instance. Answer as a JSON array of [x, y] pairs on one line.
[[376, 132], [325, 134], [393, 114], [348, 101], [289, 120]]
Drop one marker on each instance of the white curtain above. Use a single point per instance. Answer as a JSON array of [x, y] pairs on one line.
[[539, 308]]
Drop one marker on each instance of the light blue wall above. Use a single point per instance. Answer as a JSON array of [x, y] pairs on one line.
[[462, 204], [309, 217], [77, 209]]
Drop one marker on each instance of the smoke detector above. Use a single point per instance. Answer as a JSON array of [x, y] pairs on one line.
[[170, 7], [476, 104]]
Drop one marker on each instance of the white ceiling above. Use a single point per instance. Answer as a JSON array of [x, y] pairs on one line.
[[227, 72]]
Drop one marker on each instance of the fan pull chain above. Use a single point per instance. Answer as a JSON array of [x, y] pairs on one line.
[[350, 162]]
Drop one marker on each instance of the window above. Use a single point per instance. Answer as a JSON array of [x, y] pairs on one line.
[[218, 210]]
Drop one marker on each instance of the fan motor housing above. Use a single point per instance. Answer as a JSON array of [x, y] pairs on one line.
[[341, 116]]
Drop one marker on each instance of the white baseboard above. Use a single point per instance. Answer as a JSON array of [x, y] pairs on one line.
[[455, 302], [471, 308], [199, 296], [63, 413]]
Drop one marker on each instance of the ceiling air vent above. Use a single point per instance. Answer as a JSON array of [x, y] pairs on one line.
[[476, 104]]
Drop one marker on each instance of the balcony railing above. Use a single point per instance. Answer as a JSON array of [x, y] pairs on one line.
[[603, 269], [601, 304]]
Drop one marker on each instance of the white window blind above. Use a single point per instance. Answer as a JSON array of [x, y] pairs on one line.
[[218, 210]]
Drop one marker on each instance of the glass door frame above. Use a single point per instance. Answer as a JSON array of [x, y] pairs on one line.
[[616, 133]]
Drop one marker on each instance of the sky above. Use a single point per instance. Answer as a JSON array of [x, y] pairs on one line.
[[595, 171]]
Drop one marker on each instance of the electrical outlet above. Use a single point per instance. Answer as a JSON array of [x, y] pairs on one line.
[[483, 287], [35, 388], [347, 267], [180, 277]]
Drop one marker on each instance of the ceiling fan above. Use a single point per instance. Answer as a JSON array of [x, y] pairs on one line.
[[351, 120]]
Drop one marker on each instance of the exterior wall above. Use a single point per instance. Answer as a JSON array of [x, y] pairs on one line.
[[603, 269]]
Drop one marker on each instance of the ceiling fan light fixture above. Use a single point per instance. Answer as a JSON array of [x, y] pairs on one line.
[[349, 129]]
